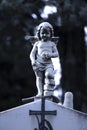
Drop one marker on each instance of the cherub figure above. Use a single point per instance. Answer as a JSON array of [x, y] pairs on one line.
[[43, 50]]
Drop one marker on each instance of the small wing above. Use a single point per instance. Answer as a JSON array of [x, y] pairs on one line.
[[32, 39], [55, 39]]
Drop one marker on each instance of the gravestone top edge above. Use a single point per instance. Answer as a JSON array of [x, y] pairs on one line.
[[47, 101]]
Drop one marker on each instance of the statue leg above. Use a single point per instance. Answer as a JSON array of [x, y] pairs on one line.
[[39, 82], [49, 81], [49, 73]]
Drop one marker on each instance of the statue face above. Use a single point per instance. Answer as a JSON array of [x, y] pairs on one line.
[[45, 34]]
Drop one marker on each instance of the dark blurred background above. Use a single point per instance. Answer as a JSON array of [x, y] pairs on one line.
[[18, 20]]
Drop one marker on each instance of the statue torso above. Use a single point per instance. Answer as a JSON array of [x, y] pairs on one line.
[[45, 47]]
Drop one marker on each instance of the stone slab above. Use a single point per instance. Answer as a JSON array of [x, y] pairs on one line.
[[18, 118]]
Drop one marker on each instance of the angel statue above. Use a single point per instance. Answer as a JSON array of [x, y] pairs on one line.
[[43, 51]]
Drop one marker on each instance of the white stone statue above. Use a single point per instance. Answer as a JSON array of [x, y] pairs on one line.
[[43, 50]]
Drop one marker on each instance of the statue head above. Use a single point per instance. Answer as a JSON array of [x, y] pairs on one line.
[[46, 26]]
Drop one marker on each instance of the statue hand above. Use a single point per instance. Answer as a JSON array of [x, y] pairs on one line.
[[46, 55], [35, 65]]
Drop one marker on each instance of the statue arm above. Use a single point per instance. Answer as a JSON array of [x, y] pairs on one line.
[[54, 52], [33, 54]]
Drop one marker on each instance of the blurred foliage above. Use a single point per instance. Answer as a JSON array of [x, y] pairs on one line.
[[19, 18]]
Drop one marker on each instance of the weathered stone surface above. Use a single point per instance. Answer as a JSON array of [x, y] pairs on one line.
[[19, 119]]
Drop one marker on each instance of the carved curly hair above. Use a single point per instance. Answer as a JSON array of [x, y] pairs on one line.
[[45, 25]]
